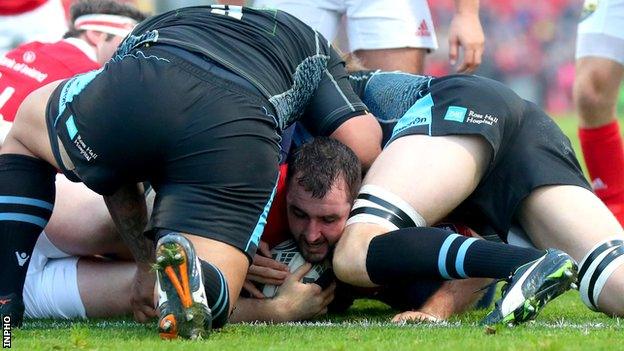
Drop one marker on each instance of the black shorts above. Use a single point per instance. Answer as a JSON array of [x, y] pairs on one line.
[[206, 142], [528, 148]]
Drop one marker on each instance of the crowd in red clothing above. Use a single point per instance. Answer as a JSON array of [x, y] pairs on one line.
[[529, 46]]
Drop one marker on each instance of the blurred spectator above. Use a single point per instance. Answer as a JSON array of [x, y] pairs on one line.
[[29, 20], [530, 46]]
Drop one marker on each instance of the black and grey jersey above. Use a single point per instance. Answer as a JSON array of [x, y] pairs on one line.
[[287, 61]]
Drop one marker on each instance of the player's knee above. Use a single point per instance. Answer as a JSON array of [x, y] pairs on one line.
[[349, 261], [601, 277], [611, 300], [589, 95]]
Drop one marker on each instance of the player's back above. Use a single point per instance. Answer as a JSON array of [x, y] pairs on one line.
[[281, 56]]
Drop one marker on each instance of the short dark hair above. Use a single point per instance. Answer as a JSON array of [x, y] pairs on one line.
[[107, 7], [317, 164]]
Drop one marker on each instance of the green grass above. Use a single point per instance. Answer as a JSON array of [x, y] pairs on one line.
[[565, 324]]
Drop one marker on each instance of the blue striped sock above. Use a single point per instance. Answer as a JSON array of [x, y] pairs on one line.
[[26, 202], [217, 293]]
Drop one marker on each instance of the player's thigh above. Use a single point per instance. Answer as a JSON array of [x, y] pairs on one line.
[[410, 60], [218, 183], [105, 286], [81, 224], [324, 16], [567, 217], [29, 133], [429, 176], [432, 174]]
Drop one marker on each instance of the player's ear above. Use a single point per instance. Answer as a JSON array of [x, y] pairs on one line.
[[94, 37]]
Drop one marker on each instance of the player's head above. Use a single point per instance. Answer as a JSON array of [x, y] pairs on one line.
[[324, 177], [102, 24]]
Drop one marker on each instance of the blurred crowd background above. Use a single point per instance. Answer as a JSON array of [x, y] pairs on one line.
[[529, 45]]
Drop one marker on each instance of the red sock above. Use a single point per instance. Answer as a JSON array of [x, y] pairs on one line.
[[603, 151]]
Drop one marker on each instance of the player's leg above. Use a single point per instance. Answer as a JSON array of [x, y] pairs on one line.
[[81, 224], [390, 38], [575, 220], [216, 272], [595, 91], [67, 287], [599, 72], [419, 180], [410, 60], [26, 196], [211, 205], [105, 286], [423, 187]]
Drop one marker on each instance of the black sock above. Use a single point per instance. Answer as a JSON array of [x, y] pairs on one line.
[[217, 294], [411, 254], [26, 202]]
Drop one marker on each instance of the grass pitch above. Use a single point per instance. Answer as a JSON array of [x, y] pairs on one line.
[[565, 324]]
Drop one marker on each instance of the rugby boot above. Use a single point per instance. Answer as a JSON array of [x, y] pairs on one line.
[[532, 286], [182, 303], [12, 305]]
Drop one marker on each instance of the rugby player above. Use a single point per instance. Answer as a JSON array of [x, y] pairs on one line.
[[96, 29], [469, 143], [314, 197], [599, 73], [313, 205], [181, 105]]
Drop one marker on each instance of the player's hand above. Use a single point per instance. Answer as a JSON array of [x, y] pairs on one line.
[[466, 31], [142, 298], [415, 317], [300, 301], [265, 270]]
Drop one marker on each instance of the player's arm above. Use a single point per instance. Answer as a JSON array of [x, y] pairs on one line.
[[465, 31], [294, 301], [361, 134], [336, 111], [129, 212], [453, 298]]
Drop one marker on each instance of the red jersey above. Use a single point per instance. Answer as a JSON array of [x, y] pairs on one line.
[[276, 230], [17, 7], [33, 65]]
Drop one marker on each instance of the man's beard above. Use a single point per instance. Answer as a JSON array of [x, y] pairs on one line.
[[312, 258]]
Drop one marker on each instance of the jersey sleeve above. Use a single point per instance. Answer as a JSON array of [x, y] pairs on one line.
[[276, 229], [334, 101]]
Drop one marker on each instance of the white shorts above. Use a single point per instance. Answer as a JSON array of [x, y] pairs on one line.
[[601, 30], [370, 24], [51, 288]]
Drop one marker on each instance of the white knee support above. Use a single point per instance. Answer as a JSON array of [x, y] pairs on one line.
[[596, 268], [379, 206]]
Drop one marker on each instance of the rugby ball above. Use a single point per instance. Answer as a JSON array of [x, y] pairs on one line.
[[288, 253]]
